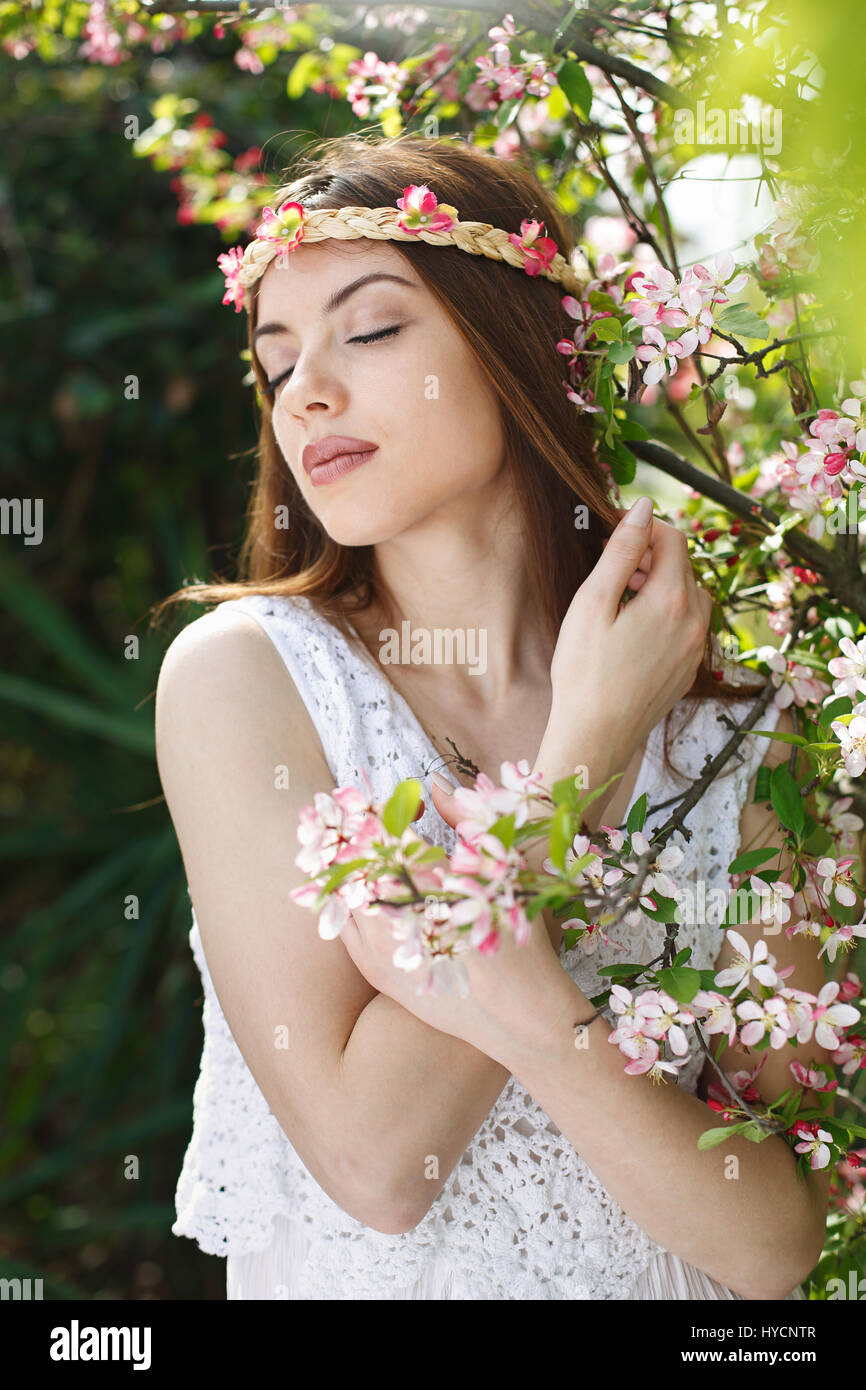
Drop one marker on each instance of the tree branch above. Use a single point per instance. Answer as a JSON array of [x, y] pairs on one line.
[[832, 565]]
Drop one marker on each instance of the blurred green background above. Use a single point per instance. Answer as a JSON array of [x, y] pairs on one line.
[[100, 1012]]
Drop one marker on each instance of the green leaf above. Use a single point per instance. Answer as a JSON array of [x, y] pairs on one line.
[[786, 799], [744, 863], [561, 835], [400, 809], [429, 855], [607, 330], [337, 874], [754, 1132], [620, 353], [744, 898], [797, 739], [681, 982], [577, 87], [620, 969], [307, 70], [832, 711], [134, 733], [602, 303], [566, 792], [711, 1137], [742, 321], [637, 815], [503, 829], [665, 910], [629, 429]]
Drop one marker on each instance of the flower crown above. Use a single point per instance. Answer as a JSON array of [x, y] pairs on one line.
[[417, 216]]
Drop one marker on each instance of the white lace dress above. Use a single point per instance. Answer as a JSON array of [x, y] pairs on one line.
[[521, 1215]]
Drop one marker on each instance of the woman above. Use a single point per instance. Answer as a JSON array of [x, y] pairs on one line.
[[351, 1139]]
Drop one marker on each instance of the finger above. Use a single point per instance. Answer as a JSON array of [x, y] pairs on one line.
[[443, 798], [642, 570], [620, 558], [647, 555], [671, 564]]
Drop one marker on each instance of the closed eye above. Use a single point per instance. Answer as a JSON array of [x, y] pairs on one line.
[[365, 338]]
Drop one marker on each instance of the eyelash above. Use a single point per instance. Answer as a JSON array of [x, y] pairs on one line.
[[365, 338]]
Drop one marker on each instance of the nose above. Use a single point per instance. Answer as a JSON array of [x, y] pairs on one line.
[[313, 385]]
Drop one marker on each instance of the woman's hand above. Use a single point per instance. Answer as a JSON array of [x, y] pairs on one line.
[[508, 994], [620, 667]]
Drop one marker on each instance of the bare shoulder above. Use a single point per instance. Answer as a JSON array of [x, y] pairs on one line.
[[224, 688], [221, 648]]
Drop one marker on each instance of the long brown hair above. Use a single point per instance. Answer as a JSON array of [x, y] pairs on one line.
[[511, 321]]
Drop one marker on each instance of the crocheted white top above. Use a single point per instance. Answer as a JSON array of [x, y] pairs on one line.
[[521, 1215]]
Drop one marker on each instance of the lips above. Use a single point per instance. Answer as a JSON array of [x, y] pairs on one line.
[[334, 446]]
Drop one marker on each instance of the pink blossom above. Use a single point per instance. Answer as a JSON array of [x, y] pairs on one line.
[[774, 907], [421, 209], [849, 670], [843, 934], [718, 1013], [810, 1079], [699, 322], [660, 356], [657, 879], [662, 1017], [827, 1016], [850, 988], [747, 962], [850, 1055], [230, 263], [837, 876], [484, 804], [719, 279], [644, 1052], [767, 1017], [285, 226], [538, 250], [852, 737], [795, 684], [814, 1142]]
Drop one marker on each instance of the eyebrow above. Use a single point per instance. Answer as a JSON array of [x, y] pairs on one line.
[[339, 297]]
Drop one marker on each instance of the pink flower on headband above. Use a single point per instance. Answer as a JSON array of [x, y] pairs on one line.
[[421, 209], [286, 225], [230, 263], [538, 251]]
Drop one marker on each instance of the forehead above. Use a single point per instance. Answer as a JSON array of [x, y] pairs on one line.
[[310, 272]]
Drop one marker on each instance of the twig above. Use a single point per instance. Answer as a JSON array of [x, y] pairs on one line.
[[769, 1126], [830, 563]]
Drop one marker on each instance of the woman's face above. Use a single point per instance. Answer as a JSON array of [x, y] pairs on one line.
[[417, 393]]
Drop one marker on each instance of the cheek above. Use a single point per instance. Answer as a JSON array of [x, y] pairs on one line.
[[449, 410]]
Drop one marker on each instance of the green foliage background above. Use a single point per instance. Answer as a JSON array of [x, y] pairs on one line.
[[100, 1014]]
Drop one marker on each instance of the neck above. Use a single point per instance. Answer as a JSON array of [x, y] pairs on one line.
[[465, 619]]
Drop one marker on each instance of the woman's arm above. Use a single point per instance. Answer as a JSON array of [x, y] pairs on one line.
[[366, 1092], [753, 1225]]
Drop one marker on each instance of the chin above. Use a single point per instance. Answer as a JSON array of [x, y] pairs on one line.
[[354, 523]]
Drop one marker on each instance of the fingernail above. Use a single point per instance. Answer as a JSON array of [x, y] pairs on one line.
[[442, 783], [639, 512]]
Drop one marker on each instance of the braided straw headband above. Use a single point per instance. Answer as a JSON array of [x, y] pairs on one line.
[[417, 216]]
